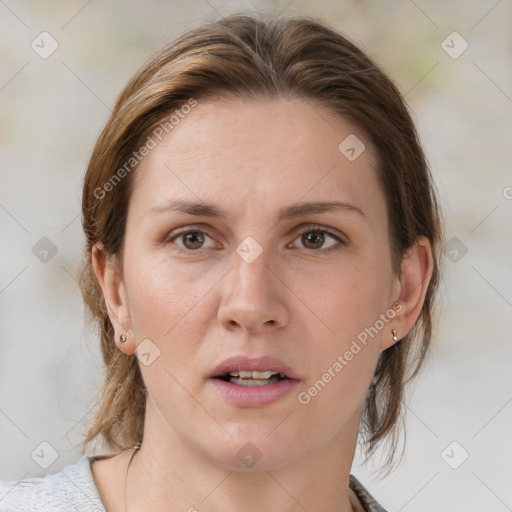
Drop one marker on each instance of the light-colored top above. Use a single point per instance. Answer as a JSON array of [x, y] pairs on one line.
[[74, 489]]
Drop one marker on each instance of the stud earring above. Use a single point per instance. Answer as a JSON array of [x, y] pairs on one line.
[[122, 338], [395, 338]]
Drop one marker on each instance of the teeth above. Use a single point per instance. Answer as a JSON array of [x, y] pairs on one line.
[[253, 382], [246, 374]]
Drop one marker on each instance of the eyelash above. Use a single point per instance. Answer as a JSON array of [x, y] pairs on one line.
[[312, 228]]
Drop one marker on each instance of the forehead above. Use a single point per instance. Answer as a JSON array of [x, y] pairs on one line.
[[264, 150]]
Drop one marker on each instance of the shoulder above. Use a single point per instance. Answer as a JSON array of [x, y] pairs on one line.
[[367, 501], [72, 488]]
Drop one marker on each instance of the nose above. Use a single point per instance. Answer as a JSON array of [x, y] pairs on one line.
[[253, 298]]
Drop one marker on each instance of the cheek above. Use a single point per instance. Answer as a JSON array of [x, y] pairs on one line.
[[344, 299], [345, 331], [343, 360], [163, 292], [169, 306]]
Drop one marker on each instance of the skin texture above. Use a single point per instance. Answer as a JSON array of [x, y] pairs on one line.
[[297, 301]]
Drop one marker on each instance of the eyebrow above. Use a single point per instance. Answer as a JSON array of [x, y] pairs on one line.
[[202, 209]]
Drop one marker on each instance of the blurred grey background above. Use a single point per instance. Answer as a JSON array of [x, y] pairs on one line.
[[62, 65]]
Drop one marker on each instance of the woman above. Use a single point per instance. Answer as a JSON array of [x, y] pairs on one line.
[[262, 259]]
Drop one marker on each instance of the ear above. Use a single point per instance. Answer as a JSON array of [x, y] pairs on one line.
[[417, 266], [116, 299]]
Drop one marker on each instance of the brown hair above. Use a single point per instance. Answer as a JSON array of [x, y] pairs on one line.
[[243, 56]]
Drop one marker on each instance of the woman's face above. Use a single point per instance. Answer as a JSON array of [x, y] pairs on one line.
[[256, 283]]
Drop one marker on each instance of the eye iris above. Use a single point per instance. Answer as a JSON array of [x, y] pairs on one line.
[[199, 239], [312, 236]]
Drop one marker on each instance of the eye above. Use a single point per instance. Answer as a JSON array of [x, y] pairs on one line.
[[314, 237], [192, 239]]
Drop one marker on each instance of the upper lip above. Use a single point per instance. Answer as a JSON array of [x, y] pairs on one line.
[[259, 364]]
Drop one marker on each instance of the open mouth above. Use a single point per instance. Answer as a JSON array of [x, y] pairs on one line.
[[249, 378], [253, 388]]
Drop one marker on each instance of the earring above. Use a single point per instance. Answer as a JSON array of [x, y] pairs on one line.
[[395, 338], [122, 338]]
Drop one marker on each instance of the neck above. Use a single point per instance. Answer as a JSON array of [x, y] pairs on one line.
[[168, 474]]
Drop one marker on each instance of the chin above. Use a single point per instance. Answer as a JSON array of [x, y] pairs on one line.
[[255, 449]]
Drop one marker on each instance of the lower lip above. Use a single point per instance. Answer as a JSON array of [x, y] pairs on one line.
[[254, 396]]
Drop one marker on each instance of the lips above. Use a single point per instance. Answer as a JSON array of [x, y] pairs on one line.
[[259, 364]]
